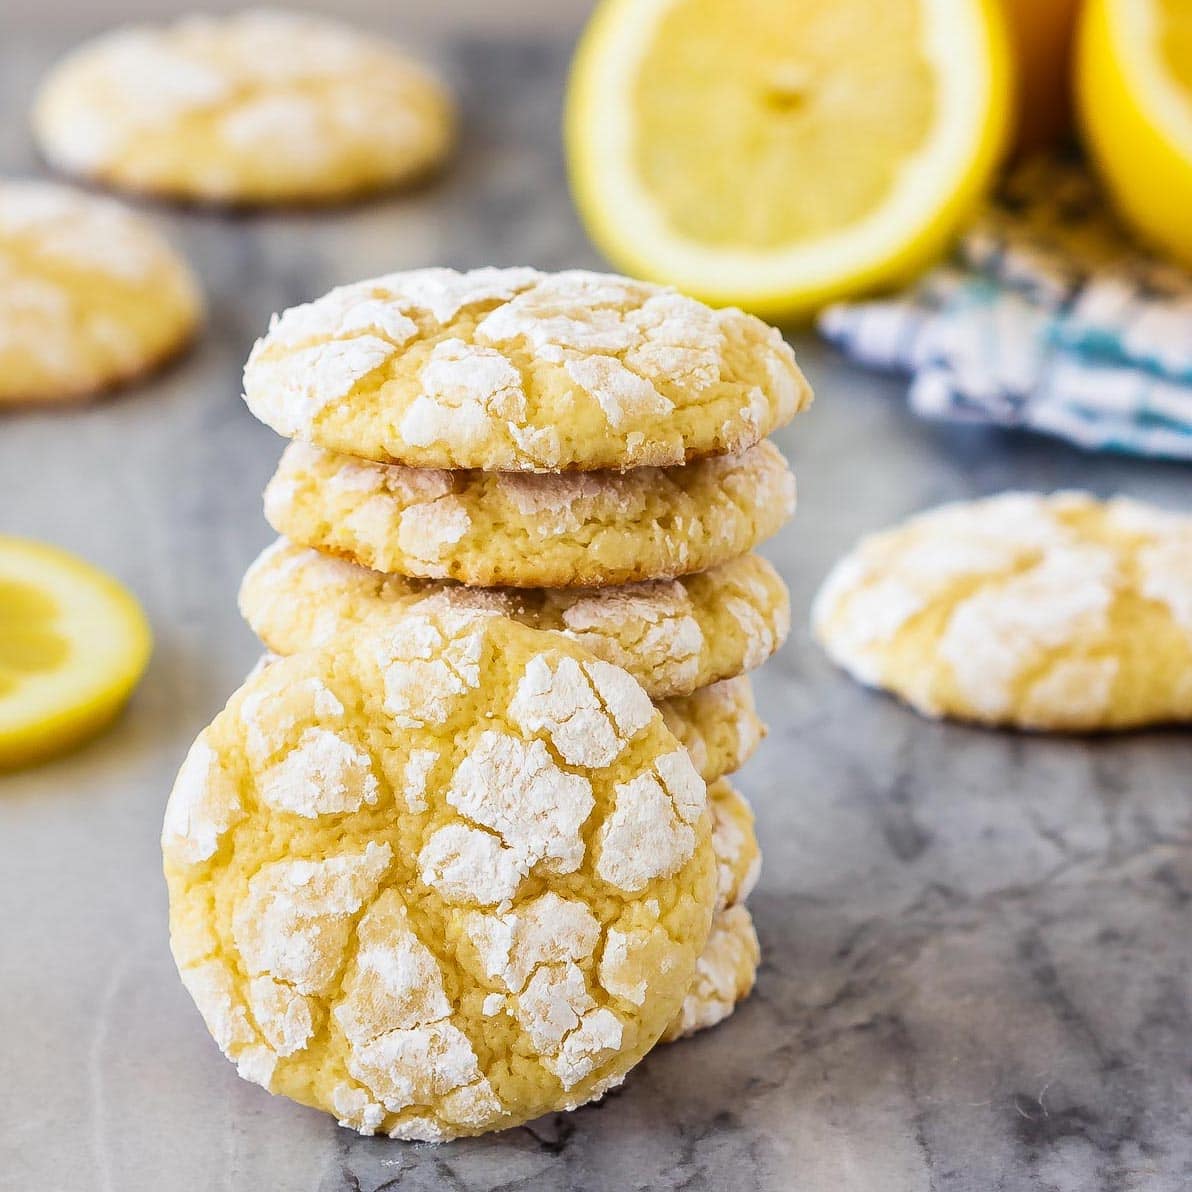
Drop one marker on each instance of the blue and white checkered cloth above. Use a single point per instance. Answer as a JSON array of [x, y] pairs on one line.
[[1048, 319]]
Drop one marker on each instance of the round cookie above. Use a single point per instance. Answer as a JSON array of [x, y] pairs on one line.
[[1056, 612], [583, 529], [439, 877], [91, 296], [513, 370], [718, 726], [673, 636], [724, 975], [257, 107]]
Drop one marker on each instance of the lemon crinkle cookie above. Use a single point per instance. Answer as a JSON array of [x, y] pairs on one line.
[[725, 974], [582, 529], [516, 370], [90, 295], [673, 636], [1056, 612], [438, 877], [256, 107]]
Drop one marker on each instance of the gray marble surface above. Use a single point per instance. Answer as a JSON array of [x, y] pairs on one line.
[[977, 955]]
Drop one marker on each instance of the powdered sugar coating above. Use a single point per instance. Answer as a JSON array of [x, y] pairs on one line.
[[516, 370], [260, 106], [650, 831], [1050, 612], [323, 775], [588, 712], [294, 921], [583, 529], [203, 805], [402, 913], [536, 808], [673, 636], [90, 294], [426, 662]]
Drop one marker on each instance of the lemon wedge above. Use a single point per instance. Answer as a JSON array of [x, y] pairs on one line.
[[73, 644], [1134, 93], [775, 154]]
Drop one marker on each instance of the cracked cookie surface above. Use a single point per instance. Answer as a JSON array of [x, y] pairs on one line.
[[516, 370], [92, 295], [439, 877], [257, 107], [1055, 612], [581, 529], [673, 636]]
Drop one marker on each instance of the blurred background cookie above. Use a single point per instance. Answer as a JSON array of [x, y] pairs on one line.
[[1046, 612], [257, 107], [91, 296]]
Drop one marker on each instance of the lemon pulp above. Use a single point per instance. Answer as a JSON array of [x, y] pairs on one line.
[[73, 644], [753, 104]]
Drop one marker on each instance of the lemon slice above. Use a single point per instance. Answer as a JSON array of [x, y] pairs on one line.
[[73, 644], [1134, 92], [775, 154]]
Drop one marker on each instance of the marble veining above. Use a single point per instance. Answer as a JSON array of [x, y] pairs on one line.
[[977, 960]]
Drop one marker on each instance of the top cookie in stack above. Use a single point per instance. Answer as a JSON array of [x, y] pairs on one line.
[[513, 370]]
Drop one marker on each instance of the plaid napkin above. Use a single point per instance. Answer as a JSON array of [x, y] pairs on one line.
[[1047, 319]]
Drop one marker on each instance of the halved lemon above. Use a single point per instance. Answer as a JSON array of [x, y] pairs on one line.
[[1134, 93], [73, 644], [775, 154]]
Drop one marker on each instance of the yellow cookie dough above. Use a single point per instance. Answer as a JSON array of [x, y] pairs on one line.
[[90, 295], [724, 975], [257, 107], [516, 370], [1053, 612], [673, 636], [438, 877], [583, 529], [718, 726]]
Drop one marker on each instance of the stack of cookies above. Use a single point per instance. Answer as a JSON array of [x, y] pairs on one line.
[[580, 452], [481, 457]]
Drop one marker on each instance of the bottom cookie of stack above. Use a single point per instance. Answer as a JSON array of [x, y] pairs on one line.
[[407, 889]]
